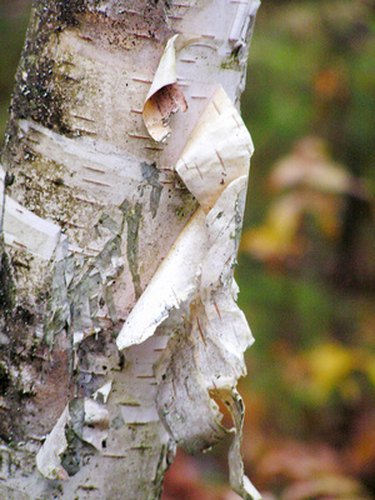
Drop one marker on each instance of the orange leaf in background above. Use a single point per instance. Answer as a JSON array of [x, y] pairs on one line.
[[360, 453], [331, 83]]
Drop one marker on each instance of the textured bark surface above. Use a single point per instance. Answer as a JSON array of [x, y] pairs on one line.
[[78, 155]]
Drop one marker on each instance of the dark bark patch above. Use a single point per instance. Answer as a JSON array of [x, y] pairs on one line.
[[4, 379], [60, 14], [68, 11], [39, 96], [39, 93], [7, 288]]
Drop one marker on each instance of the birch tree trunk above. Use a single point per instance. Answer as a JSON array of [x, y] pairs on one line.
[[91, 206]]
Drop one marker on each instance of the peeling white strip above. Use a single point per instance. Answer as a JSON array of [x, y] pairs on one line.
[[23, 229], [173, 283], [108, 174], [206, 353], [48, 458], [166, 72], [224, 223], [217, 152], [178, 277]]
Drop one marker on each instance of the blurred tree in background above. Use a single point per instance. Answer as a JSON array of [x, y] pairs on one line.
[[307, 262]]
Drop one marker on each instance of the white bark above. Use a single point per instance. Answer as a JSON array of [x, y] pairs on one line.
[[93, 206]]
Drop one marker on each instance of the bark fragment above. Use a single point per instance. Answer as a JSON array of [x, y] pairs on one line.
[[165, 96], [193, 293]]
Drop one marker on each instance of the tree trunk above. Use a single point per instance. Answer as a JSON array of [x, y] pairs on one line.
[[93, 205]]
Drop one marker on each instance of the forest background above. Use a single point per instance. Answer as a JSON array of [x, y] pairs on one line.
[[307, 259]]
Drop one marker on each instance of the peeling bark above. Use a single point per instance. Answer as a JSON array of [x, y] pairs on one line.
[[91, 205]]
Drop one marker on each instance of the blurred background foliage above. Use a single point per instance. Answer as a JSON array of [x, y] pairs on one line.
[[307, 260]]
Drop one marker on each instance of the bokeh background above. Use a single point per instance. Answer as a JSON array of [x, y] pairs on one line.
[[307, 260]]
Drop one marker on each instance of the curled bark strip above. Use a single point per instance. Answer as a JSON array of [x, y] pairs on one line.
[[165, 97], [159, 108], [193, 293], [217, 152], [177, 277]]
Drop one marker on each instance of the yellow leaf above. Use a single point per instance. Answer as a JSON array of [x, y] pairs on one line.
[[329, 365]]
